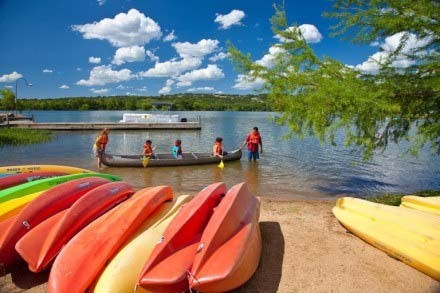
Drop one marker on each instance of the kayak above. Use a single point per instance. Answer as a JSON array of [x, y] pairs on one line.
[[44, 184], [167, 267], [230, 247], [14, 206], [41, 168], [41, 245], [81, 260], [408, 235], [122, 272], [49, 203], [426, 204], [166, 160], [17, 179]]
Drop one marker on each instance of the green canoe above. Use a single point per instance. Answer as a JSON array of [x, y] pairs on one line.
[[44, 184]]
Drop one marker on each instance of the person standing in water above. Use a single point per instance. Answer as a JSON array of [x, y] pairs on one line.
[[99, 146], [253, 140]]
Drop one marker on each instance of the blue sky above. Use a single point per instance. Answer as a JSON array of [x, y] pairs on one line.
[[147, 47]]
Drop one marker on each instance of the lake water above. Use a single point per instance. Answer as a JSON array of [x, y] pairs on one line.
[[288, 168]]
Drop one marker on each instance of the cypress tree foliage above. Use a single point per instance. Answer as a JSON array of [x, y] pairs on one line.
[[398, 97]]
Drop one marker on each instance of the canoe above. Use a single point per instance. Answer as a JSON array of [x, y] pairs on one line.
[[17, 179], [167, 267], [230, 247], [408, 235], [44, 184], [12, 207], [41, 245], [84, 257], [48, 204], [41, 168], [166, 160], [426, 204], [122, 272]]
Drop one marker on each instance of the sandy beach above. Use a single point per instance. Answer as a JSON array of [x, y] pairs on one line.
[[305, 249]]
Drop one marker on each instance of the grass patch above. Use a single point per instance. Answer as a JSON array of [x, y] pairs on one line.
[[395, 199], [19, 136]]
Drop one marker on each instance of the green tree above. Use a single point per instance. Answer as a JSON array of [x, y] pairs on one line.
[[8, 99], [317, 96]]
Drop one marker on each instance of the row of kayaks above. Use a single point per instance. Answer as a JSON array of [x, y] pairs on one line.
[[96, 233], [410, 233]]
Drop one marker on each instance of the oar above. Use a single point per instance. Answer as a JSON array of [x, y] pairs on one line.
[[221, 165]]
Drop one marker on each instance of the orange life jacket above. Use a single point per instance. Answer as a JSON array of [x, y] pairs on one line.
[[147, 149], [218, 148], [254, 138]]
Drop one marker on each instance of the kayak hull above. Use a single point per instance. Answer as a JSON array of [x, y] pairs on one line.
[[425, 204], [408, 235], [41, 168], [48, 204], [17, 179]]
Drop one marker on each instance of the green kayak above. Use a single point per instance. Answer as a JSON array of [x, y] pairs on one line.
[[44, 184]]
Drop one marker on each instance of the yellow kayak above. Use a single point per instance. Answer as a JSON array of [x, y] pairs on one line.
[[122, 272], [408, 235], [14, 206], [41, 168], [426, 204]]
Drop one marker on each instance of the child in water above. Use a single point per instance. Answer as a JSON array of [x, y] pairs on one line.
[[177, 149], [148, 149], [218, 148]]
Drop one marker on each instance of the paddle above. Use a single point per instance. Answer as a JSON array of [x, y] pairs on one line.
[[145, 161], [221, 165]]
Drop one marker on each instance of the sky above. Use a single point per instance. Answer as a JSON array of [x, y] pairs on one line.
[[128, 47]]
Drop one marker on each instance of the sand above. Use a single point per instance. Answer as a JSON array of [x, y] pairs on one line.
[[305, 249]]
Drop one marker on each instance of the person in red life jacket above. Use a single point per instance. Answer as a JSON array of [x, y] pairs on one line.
[[99, 146], [177, 149], [253, 140], [218, 148], [148, 149]]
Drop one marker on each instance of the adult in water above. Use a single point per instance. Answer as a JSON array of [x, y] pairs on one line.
[[99, 146], [253, 140]]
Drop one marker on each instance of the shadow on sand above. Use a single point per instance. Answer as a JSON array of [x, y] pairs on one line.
[[22, 278], [268, 275]]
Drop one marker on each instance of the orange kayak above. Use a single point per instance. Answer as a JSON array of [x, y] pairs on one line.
[[166, 268], [41, 245], [230, 246], [49, 203], [83, 258]]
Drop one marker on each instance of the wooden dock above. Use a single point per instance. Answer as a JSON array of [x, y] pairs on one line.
[[193, 125]]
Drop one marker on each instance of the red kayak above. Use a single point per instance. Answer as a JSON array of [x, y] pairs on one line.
[[17, 179], [167, 267], [86, 254], [49, 203], [230, 247], [41, 245]]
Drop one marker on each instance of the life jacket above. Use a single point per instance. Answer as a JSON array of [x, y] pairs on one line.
[[177, 150], [148, 149], [101, 140], [218, 148], [254, 138]]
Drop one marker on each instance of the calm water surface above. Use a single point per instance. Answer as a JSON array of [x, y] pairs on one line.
[[293, 168]]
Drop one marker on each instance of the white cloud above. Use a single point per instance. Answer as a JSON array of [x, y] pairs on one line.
[[47, 70], [104, 74], [244, 82], [212, 71], [8, 86], [94, 60], [10, 77], [151, 55], [78, 69], [142, 89], [167, 87], [232, 18], [126, 29], [201, 89], [101, 2], [219, 56], [121, 87], [170, 37], [129, 54], [64, 87], [172, 67], [269, 59], [391, 44], [99, 91], [199, 50], [310, 33]]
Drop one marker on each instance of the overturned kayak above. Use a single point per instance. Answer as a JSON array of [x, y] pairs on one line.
[[17, 179], [426, 204], [8, 170], [164, 160]]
